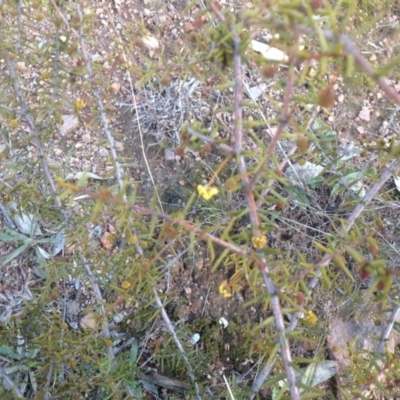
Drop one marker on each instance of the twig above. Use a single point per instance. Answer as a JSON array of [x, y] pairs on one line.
[[40, 152], [389, 327], [100, 302], [254, 219], [263, 375], [31, 124], [228, 387], [47, 394], [178, 344], [349, 48], [10, 385], [224, 147], [284, 120]]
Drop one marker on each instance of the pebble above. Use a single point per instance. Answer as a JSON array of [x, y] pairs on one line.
[[86, 138], [103, 152]]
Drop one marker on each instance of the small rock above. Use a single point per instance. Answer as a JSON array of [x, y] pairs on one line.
[[115, 87], [103, 152], [169, 155], [255, 92], [188, 27], [151, 42], [86, 138], [119, 146], [70, 123], [97, 58], [365, 114], [21, 66]]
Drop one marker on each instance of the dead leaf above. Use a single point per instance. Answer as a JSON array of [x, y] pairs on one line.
[[107, 240], [326, 97], [269, 53], [88, 321]]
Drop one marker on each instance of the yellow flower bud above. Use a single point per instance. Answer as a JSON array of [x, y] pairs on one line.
[[207, 192], [310, 318], [259, 242]]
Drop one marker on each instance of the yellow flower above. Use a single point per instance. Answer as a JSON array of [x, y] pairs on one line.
[[310, 318], [132, 239], [125, 285], [207, 192], [259, 242], [225, 289], [79, 104], [13, 123]]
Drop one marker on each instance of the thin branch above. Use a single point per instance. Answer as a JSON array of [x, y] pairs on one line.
[[49, 178], [10, 385], [254, 219], [100, 301], [47, 394], [178, 344], [349, 48], [389, 328]]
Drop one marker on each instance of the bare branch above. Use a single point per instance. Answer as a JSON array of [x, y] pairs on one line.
[[178, 344]]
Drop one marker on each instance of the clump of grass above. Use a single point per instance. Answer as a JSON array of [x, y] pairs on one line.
[[161, 111]]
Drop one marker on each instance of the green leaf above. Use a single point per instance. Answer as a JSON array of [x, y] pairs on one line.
[[14, 254], [47, 240], [133, 353], [9, 351], [18, 235], [8, 238], [298, 195]]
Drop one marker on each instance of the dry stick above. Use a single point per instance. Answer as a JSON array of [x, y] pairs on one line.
[[39, 148], [119, 177], [228, 387], [285, 117], [349, 48], [106, 126], [134, 101], [178, 344], [181, 222], [103, 117], [10, 385], [30, 121], [187, 225], [47, 394], [389, 327], [262, 376], [254, 219]]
